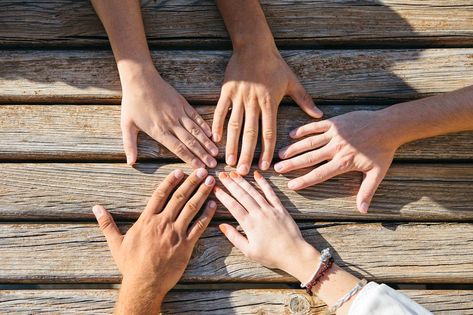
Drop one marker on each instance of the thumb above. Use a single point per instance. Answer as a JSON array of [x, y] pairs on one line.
[[108, 227], [304, 100], [130, 135], [235, 237], [368, 188]]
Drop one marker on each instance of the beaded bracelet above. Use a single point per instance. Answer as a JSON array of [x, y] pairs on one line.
[[346, 297], [325, 255]]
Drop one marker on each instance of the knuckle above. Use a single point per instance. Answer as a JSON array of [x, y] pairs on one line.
[[180, 149], [234, 125], [200, 224], [346, 162], [251, 132], [160, 194], [269, 134], [179, 196], [191, 206], [105, 223], [194, 131]]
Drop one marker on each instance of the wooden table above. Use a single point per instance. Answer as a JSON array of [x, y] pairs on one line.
[[60, 152]]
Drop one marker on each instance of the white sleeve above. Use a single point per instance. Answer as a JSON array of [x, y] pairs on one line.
[[379, 299]]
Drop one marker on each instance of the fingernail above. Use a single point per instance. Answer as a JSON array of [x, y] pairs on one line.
[[318, 111], [222, 228], [212, 204], [264, 165], [242, 170], [211, 162], [223, 175], [282, 153], [178, 173], [231, 159], [216, 189], [258, 175], [292, 184], [278, 167], [201, 172], [364, 207], [209, 181], [234, 175], [293, 133], [214, 151], [98, 212]]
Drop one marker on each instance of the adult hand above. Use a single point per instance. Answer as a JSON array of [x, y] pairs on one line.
[[356, 141], [256, 80], [272, 239], [153, 106], [154, 253]]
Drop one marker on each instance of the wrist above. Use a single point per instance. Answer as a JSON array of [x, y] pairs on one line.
[[391, 128], [131, 70], [303, 264], [138, 297]]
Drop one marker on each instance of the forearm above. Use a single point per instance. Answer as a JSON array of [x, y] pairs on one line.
[[124, 25], [333, 285], [246, 24], [432, 116], [138, 299]]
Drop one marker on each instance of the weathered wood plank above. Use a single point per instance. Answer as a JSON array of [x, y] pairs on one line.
[[329, 75], [88, 133], [392, 253], [315, 22], [244, 301], [422, 192]]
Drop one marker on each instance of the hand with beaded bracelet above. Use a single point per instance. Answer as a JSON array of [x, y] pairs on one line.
[[272, 238]]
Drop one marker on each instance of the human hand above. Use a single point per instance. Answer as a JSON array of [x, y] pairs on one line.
[[153, 106], [154, 253], [356, 141], [256, 80], [272, 239]]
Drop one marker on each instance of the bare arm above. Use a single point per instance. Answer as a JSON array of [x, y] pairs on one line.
[[149, 103], [366, 141], [256, 80]]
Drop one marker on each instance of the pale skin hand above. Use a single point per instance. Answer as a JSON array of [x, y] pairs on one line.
[[366, 141], [154, 253], [149, 103], [256, 80], [351, 142], [273, 239]]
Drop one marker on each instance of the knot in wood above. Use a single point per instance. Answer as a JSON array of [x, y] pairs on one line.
[[299, 305]]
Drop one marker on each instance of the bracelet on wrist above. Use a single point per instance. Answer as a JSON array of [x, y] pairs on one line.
[[357, 288], [326, 262]]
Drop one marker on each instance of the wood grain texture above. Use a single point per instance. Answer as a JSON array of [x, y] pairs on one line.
[[392, 253], [185, 22], [416, 192], [336, 76], [88, 133], [216, 302]]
